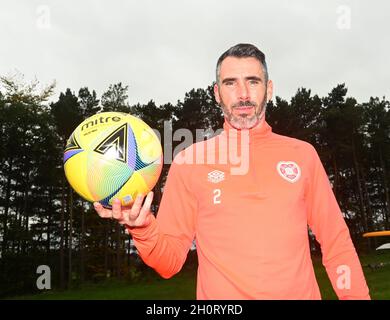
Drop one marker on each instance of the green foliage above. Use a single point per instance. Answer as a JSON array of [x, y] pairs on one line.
[[199, 110], [88, 102], [115, 98], [67, 113]]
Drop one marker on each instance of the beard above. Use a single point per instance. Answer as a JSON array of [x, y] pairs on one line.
[[244, 121]]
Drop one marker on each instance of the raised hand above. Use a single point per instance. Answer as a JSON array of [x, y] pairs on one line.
[[137, 215]]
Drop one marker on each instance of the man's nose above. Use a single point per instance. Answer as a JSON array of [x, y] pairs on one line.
[[243, 92]]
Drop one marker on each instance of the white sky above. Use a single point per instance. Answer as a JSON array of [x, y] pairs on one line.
[[162, 49]]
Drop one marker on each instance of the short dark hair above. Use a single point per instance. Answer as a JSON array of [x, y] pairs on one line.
[[243, 50]]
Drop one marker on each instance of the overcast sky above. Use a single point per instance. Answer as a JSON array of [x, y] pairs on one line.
[[162, 49]]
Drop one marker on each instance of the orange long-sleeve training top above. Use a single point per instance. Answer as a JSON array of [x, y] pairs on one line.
[[249, 212]]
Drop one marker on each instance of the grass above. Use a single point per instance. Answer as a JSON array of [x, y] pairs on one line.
[[183, 285]]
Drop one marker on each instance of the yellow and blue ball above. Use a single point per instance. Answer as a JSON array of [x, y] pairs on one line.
[[113, 155]]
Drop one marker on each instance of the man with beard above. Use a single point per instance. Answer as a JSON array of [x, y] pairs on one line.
[[251, 228]]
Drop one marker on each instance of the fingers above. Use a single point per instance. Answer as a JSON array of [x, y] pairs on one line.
[[102, 212], [138, 215], [136, 208], [145, 211], [116, 209], [114, 212]]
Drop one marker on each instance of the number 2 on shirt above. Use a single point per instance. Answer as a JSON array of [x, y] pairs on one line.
[[217, 196]]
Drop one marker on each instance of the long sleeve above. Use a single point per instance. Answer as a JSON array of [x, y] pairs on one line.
[[165, 242], [326, 221]]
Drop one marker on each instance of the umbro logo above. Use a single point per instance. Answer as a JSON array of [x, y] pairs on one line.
[[216, 176]]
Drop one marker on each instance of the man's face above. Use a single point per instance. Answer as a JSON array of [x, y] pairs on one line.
[[242, 91]]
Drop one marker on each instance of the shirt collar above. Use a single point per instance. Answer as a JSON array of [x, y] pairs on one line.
[[259, 132]]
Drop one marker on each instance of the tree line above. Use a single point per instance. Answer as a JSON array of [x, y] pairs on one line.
[[44, 222]]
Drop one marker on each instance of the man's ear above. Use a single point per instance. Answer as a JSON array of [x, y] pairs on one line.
[[270, 90], [216, 93]]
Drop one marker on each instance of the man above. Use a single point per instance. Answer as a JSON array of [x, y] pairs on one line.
[[251, 229]]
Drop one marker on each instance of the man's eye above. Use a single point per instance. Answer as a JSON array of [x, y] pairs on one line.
[[229, 83], [254, 82]]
